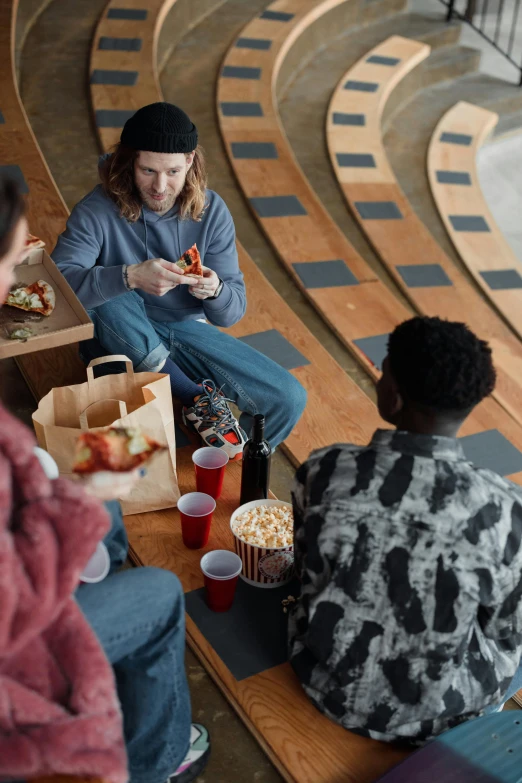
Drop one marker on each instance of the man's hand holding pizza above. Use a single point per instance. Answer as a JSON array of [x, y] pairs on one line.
[[157, 276], [207, 285]]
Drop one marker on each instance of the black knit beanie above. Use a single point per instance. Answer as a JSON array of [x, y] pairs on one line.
[[160, 127]]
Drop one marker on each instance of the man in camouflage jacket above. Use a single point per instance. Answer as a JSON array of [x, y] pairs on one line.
[[410, 617]]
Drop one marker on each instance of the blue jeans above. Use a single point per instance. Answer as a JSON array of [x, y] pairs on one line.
[[139, 618], [116, 539], [254, 382]]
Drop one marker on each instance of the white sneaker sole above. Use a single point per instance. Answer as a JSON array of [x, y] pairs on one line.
[[233, 457]]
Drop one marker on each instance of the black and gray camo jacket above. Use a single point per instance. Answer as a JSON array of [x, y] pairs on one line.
[[410, 558]]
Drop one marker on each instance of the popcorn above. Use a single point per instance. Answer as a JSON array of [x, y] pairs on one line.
[[286, 603], [270, 527]]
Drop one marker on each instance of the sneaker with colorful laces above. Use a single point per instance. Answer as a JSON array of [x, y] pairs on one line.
[[197, 757], [215, 423]]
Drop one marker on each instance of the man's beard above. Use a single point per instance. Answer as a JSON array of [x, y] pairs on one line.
[[159, 206]]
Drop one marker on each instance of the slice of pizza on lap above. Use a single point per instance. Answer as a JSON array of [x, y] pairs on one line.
[[116, 449], [190, 262], [38, 297]]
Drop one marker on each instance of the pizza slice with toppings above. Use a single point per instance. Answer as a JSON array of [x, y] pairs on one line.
[[32, 242], [38, 297], [190, 262], [116, 449]]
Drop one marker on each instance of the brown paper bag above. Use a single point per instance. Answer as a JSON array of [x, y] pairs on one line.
[[128, 399]]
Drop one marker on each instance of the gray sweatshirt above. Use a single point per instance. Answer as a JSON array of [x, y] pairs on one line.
[[97, 242]]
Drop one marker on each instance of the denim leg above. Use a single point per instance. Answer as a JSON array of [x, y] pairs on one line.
[[122, 327], [116, 539], [139, 618], [254, 382]]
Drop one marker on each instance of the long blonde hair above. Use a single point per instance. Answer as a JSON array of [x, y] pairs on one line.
[[117, 178]]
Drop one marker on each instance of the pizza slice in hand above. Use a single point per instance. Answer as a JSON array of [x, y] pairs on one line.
[[116, 449], [37, 297], [190, 262], [32, 242]]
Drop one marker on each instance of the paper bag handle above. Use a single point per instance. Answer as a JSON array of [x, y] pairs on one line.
[[84, 424], [107, 360]]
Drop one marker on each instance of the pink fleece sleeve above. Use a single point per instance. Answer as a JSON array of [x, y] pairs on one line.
[[45, 541]]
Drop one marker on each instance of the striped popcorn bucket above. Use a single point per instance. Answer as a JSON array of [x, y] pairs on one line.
[[263, 567]]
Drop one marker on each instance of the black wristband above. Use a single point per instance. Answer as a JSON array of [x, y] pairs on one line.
[[218, 290]]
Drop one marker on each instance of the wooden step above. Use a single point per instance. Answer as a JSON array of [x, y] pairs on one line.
[[303, 745], [329, 388], [418, 265], [453, 176], [295, 221], [46, 210]]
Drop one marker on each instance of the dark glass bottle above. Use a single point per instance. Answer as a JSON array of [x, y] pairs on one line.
[[257, 455]]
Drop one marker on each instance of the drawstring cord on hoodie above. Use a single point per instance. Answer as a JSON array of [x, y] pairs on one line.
[[145, 224]]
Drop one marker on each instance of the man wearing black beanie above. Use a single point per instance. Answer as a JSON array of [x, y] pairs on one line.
[[119, 254]]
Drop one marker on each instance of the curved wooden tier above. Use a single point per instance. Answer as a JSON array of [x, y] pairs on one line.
[[329, 388], [122, 77], [419, 266], [344, 289], [46, 210], [453, 176], [303, 745], [339, 283]]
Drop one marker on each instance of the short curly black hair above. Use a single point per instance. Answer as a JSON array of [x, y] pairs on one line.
[[440, 365]]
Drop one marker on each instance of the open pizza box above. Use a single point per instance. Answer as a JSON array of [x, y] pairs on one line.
[[68, 323]]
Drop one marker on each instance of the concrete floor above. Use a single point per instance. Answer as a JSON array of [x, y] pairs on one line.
[[493, 62], [498, 161], [53, 74]]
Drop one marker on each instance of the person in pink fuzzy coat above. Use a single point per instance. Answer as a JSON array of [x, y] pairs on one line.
[[59, 710], [72, 660]]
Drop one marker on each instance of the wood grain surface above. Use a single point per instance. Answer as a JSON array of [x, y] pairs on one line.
[[480, 251], [68, 779], [365, 309], [407, 241], [123, 98], [305, 746], [329, 388], [46, 210]]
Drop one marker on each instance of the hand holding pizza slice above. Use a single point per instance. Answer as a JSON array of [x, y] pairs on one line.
[[190, 262], [116, 450]]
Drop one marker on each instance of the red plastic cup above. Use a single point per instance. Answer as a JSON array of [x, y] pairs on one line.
[[210, 464], [196, 511], [221, 569]]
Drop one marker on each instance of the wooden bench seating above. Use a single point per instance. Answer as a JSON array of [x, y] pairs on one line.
[[266, 308], [453, 176], [304, 746], [425, 274], [340, 284], [46, 210], [329, 388], [123, 50], [272, 703], [68, 779]]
